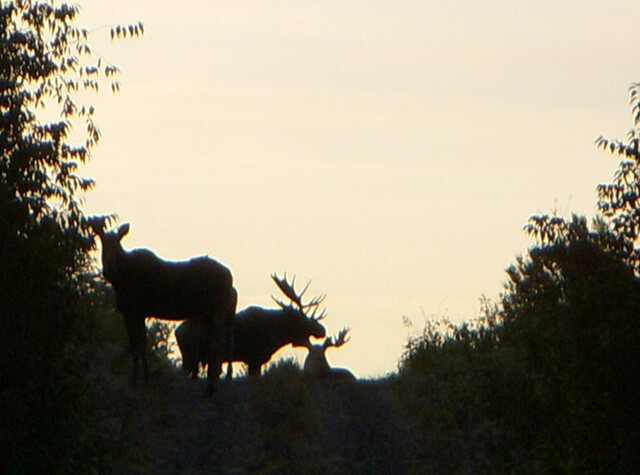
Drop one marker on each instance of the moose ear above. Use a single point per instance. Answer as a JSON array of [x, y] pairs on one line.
[[122, 231]]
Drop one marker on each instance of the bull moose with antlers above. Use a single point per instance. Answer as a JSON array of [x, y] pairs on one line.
[[260, 332], [200, 290], [316, 365]]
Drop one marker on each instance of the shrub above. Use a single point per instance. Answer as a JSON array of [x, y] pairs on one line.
[[545, 382]]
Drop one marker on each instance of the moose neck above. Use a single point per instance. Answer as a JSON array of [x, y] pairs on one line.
[[112, 256], [287, 326], [316, 363]]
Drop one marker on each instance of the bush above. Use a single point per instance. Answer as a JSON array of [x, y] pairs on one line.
[[545, 381], [571, 312]]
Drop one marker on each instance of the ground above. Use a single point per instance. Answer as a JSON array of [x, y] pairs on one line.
[[280, 423]]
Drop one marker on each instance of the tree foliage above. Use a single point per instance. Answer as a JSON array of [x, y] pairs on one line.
[[545, 380], [619, 201], [571, 311], [550, 383], [46, 63]]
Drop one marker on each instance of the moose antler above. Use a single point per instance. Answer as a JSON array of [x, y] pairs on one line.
[[340, 340], [288, 289]]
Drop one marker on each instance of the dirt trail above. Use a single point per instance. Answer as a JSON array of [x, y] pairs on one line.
[[281, 424]]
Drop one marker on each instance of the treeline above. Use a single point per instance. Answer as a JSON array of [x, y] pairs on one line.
[[547, 379]]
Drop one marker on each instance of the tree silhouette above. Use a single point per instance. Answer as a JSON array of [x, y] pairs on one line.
[[570, 311], [45, 63], [555, 372], [619, 201]]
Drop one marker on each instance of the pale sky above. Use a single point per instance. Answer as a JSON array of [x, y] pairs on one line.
[[388, 151]]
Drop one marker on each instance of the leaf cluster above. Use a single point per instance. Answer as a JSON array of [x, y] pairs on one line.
[[131, 31], [628, 149], [619, 201], [159, 340], [45, 58]]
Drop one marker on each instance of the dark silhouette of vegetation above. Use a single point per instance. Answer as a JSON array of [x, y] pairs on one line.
[[200, 289], [544, 381], [571, 313], [47, 293], [547, 379], [619, 202]]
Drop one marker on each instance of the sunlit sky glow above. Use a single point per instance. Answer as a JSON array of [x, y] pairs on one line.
[[388, 151]]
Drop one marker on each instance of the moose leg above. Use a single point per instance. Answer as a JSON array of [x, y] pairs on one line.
[[200, 354], [190, 361], [229, 324], [191, 358], [229, 331], [228, 346], [137, 342], [216, 357], [215, 366], [193, 362], [186, 336], [213, 347], [143, 354], [229, 370]]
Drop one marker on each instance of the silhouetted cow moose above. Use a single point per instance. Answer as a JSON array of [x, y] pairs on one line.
[[199, 289], [260, 332], [316, 365]]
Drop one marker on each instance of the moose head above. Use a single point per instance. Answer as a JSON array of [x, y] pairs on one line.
[[111, 245]]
